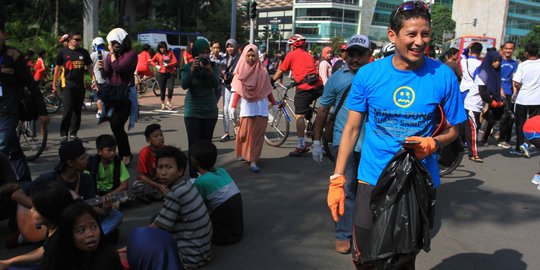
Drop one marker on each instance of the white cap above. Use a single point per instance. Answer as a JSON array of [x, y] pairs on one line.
[[358, 41], [117, 34]]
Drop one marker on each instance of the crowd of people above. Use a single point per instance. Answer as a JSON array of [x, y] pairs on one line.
[[380, 106]]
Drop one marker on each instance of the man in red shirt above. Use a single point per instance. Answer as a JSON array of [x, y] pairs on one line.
[[309, 85]]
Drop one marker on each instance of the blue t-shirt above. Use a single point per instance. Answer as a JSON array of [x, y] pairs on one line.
[[333, 91], [508, 68], [400, 104]]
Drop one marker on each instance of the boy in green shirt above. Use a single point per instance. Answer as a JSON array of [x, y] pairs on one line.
[[109, 173], [219, 193]]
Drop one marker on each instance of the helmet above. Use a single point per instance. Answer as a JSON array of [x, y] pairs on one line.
[[388, 49], [297, 40], [63, 38], [97, 41]]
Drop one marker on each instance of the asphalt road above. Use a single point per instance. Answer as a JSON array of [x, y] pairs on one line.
[[487, 214]]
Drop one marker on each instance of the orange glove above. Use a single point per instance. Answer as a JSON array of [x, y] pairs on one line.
[[496, 104], [425, 148], [336, 196]]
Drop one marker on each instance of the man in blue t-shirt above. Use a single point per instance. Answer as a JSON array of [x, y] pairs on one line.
[[400, 95], [508, 68], [358, 53]]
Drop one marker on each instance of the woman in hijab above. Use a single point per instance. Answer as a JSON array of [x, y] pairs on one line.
[[200, 78], [488, 79], [253, 89], [152, 249], [325, 67]]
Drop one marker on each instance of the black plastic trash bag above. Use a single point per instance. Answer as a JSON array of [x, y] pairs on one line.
[[402, 204]]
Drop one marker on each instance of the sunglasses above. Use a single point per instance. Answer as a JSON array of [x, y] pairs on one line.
[[77, 39], [411, 5]]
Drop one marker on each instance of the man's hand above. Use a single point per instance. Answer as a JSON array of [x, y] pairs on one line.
[[317, 151], [425, 148], [54, 90], [163, 189], [336, 196]]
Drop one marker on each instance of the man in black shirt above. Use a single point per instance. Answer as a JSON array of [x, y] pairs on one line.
[[14, 77], [73, 59]]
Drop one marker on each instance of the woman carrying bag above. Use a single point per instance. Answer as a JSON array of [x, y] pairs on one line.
[[165, 62]]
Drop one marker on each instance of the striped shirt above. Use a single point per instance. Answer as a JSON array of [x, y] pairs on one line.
[[185, 216]]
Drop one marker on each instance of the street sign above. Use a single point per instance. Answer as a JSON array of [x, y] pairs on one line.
[[275, 21]]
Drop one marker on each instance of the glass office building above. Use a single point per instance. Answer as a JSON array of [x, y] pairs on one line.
[[522, 16]]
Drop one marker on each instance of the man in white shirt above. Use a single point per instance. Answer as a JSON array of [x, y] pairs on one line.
[[469, 66], [527, 83]]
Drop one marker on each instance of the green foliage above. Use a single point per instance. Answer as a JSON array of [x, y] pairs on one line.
[[532, 37], [335, 44], [441, 19]]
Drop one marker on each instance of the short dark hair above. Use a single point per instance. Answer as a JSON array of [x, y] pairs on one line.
[[145, 47], [74, 33], [50, 198], [105, 140], [214, 42], [491, 49], [531, 49], [397, 20], [150, 129], [476, 47], [205, 153], [172, 152], [508, 42], [451, 51]]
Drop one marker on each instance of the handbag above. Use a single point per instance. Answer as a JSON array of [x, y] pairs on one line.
[[331, 118], [113, 94]]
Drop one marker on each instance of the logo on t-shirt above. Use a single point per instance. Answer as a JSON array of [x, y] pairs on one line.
[[404, 97]]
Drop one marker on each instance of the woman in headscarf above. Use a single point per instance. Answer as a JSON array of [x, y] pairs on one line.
[[231, 59], [488, 79], [200, 78], [325, 67], [253, 89]]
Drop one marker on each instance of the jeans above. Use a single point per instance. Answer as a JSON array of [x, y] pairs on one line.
[[134, 114], [71, 119], [10, 146], [227, 95], [117, 122], [198, 129], [344, 225], [111, 221]]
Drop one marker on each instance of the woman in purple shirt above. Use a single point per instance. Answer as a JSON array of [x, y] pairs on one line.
[[119, 68]]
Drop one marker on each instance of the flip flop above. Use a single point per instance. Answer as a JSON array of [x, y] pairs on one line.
[[476, 159]]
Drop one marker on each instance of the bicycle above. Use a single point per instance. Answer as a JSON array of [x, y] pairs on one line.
[[277, 130], [32, 138], [144, 83], [53, 102]]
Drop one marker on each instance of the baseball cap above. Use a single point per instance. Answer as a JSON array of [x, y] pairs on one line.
[[69, 151], [360, 41], [117, 34]]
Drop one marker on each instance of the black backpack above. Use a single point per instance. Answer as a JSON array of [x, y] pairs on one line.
[[93, 168]]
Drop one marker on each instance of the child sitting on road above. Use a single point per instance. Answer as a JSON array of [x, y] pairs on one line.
[[184, 214], [109, 173], [146, 165], [220, 194]]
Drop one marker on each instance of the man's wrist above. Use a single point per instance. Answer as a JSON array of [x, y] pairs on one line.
[[437, 144]]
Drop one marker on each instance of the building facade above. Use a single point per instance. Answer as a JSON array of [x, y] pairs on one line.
[[502, 19]]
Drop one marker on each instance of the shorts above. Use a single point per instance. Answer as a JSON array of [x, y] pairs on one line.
[[362, 225], [147, 73], [303, 100]]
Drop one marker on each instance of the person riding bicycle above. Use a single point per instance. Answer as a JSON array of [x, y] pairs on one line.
[[143, 63], [309, 85]]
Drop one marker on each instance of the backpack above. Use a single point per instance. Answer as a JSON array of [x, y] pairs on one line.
[[93, 168]]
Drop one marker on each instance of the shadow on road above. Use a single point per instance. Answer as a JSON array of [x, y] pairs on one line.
[[466, 202], [501, 259]]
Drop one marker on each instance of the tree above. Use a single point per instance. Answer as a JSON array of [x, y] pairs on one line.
[[441, 20], [532, 37]]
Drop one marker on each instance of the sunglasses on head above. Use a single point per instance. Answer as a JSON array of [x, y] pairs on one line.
[[411, 5]]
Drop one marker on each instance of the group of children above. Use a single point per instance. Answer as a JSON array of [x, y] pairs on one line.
[[197, 214]]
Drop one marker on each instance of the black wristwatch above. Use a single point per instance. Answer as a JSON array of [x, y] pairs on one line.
[[437, 144]]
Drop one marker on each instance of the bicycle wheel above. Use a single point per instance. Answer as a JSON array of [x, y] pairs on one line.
[[53, 102], [449, 157], [142, 87], [32, 138], [155, 89], [277, 129]]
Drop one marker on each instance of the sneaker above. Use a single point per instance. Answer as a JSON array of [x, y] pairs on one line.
[[504, 145], [299, 151], [74, 138], [98, 114], [517, 153], [63, 139], [225, 138], [163, 107], [536, 179], [169, 106], [343, 246], [525, 149], [254, 168]]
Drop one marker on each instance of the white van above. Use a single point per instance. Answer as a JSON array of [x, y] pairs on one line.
[[176, 41]]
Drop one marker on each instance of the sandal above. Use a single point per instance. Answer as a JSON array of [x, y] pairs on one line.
[[476, 159], [299, 151]]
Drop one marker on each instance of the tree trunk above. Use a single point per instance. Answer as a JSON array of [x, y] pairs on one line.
[[90, 21], [56, 17]]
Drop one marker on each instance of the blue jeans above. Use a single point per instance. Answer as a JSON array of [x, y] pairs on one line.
[[112, 221], [227, 94], [10, 146], [345, 222], [134, 113]]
